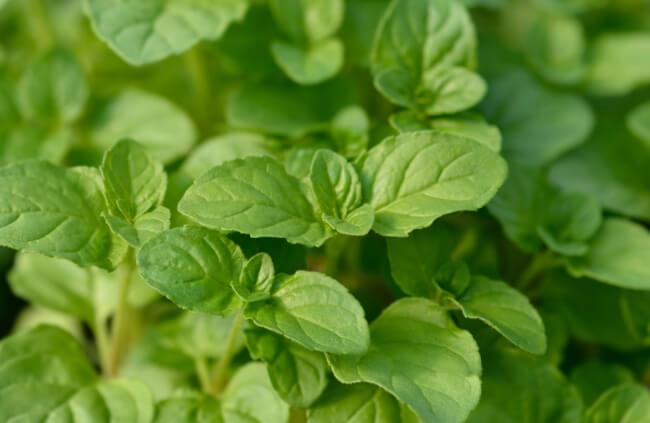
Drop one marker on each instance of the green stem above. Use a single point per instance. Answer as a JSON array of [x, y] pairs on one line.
[[200, 82], [119, 325], [39, 21], [537, 265], [224, 362], [103, 344], [203, 372]]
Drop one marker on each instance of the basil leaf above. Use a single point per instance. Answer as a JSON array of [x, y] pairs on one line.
[[315, 311], [420, 356], [54, 88], [625, 403], [350, 131], [638, 122], [312, 64], [198, 408], [255, 196], [506, 310], [142, 33], [414, 178], [450, 90], [256, 279], [297, 374], [194, 268], [619, 255], [35, 217], [593, 378], [249, 398], [307, 20], [160, 126], [143, 228], [538, 124]]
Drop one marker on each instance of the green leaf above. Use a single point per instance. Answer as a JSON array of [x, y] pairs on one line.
[[194, 268], [135, 183], [450, 90], [143, 228], [54, 88], [416, 37], [36, 217], [307, 20], [538, 124], [512, 378], [413, 178], [256, 279], [160, 126], [289, 110], [356, 403], [250, 398], [297, 374], [312, 64], [619, 255], [29, 141], [336, 186], [315, 311], [255, 196], [350, 131], [60, 285], [618, 63], [142, 33], [614, 173], [47, 364], [638, 122], [506, 310], [419, 355], [627, 403], [196, 408], [593, 378]]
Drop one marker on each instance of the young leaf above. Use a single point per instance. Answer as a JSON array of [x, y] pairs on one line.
[[255, 196], [350, 131], [36, 217], [54, 88], [619, 255], [160, 126], [312, 64], [134, 182], [627, 403], [195, 408], [143, 228], [143, 33], [419, 355], [307, 20], [194, 268], [256, 279], [336, 186], [315, 311], [297, 374], [249, 397], [506, 310], [450, 90], [594, 378], [413, 178]]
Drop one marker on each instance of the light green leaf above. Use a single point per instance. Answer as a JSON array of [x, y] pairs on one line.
[[196, 408], [250, 398], [255, 196], [47, 364], [638, 122], [194, 268], [356, 223], [143, 228], [135, 183], [593, 378], [519, 387], [419, 355], [350, 131], [36, 217], [160, 126], [311, 64], [54, 88], [627, 403], [506, 310], [450, 90], [419, 36], [619, 255], [538, 124], [256, 279], [65, 287], [306, 21], [619, 63], [356, 403], [298, 375], [146, 32], [29, 141], [413, 178], [315, 311]]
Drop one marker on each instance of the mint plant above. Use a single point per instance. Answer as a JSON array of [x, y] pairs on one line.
[[309, 211]]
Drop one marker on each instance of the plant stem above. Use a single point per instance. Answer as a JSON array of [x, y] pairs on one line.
[[119, 325], [224, 362], [203, 372], [200, 82], [537, 265], [103, 345], [40, 23]]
